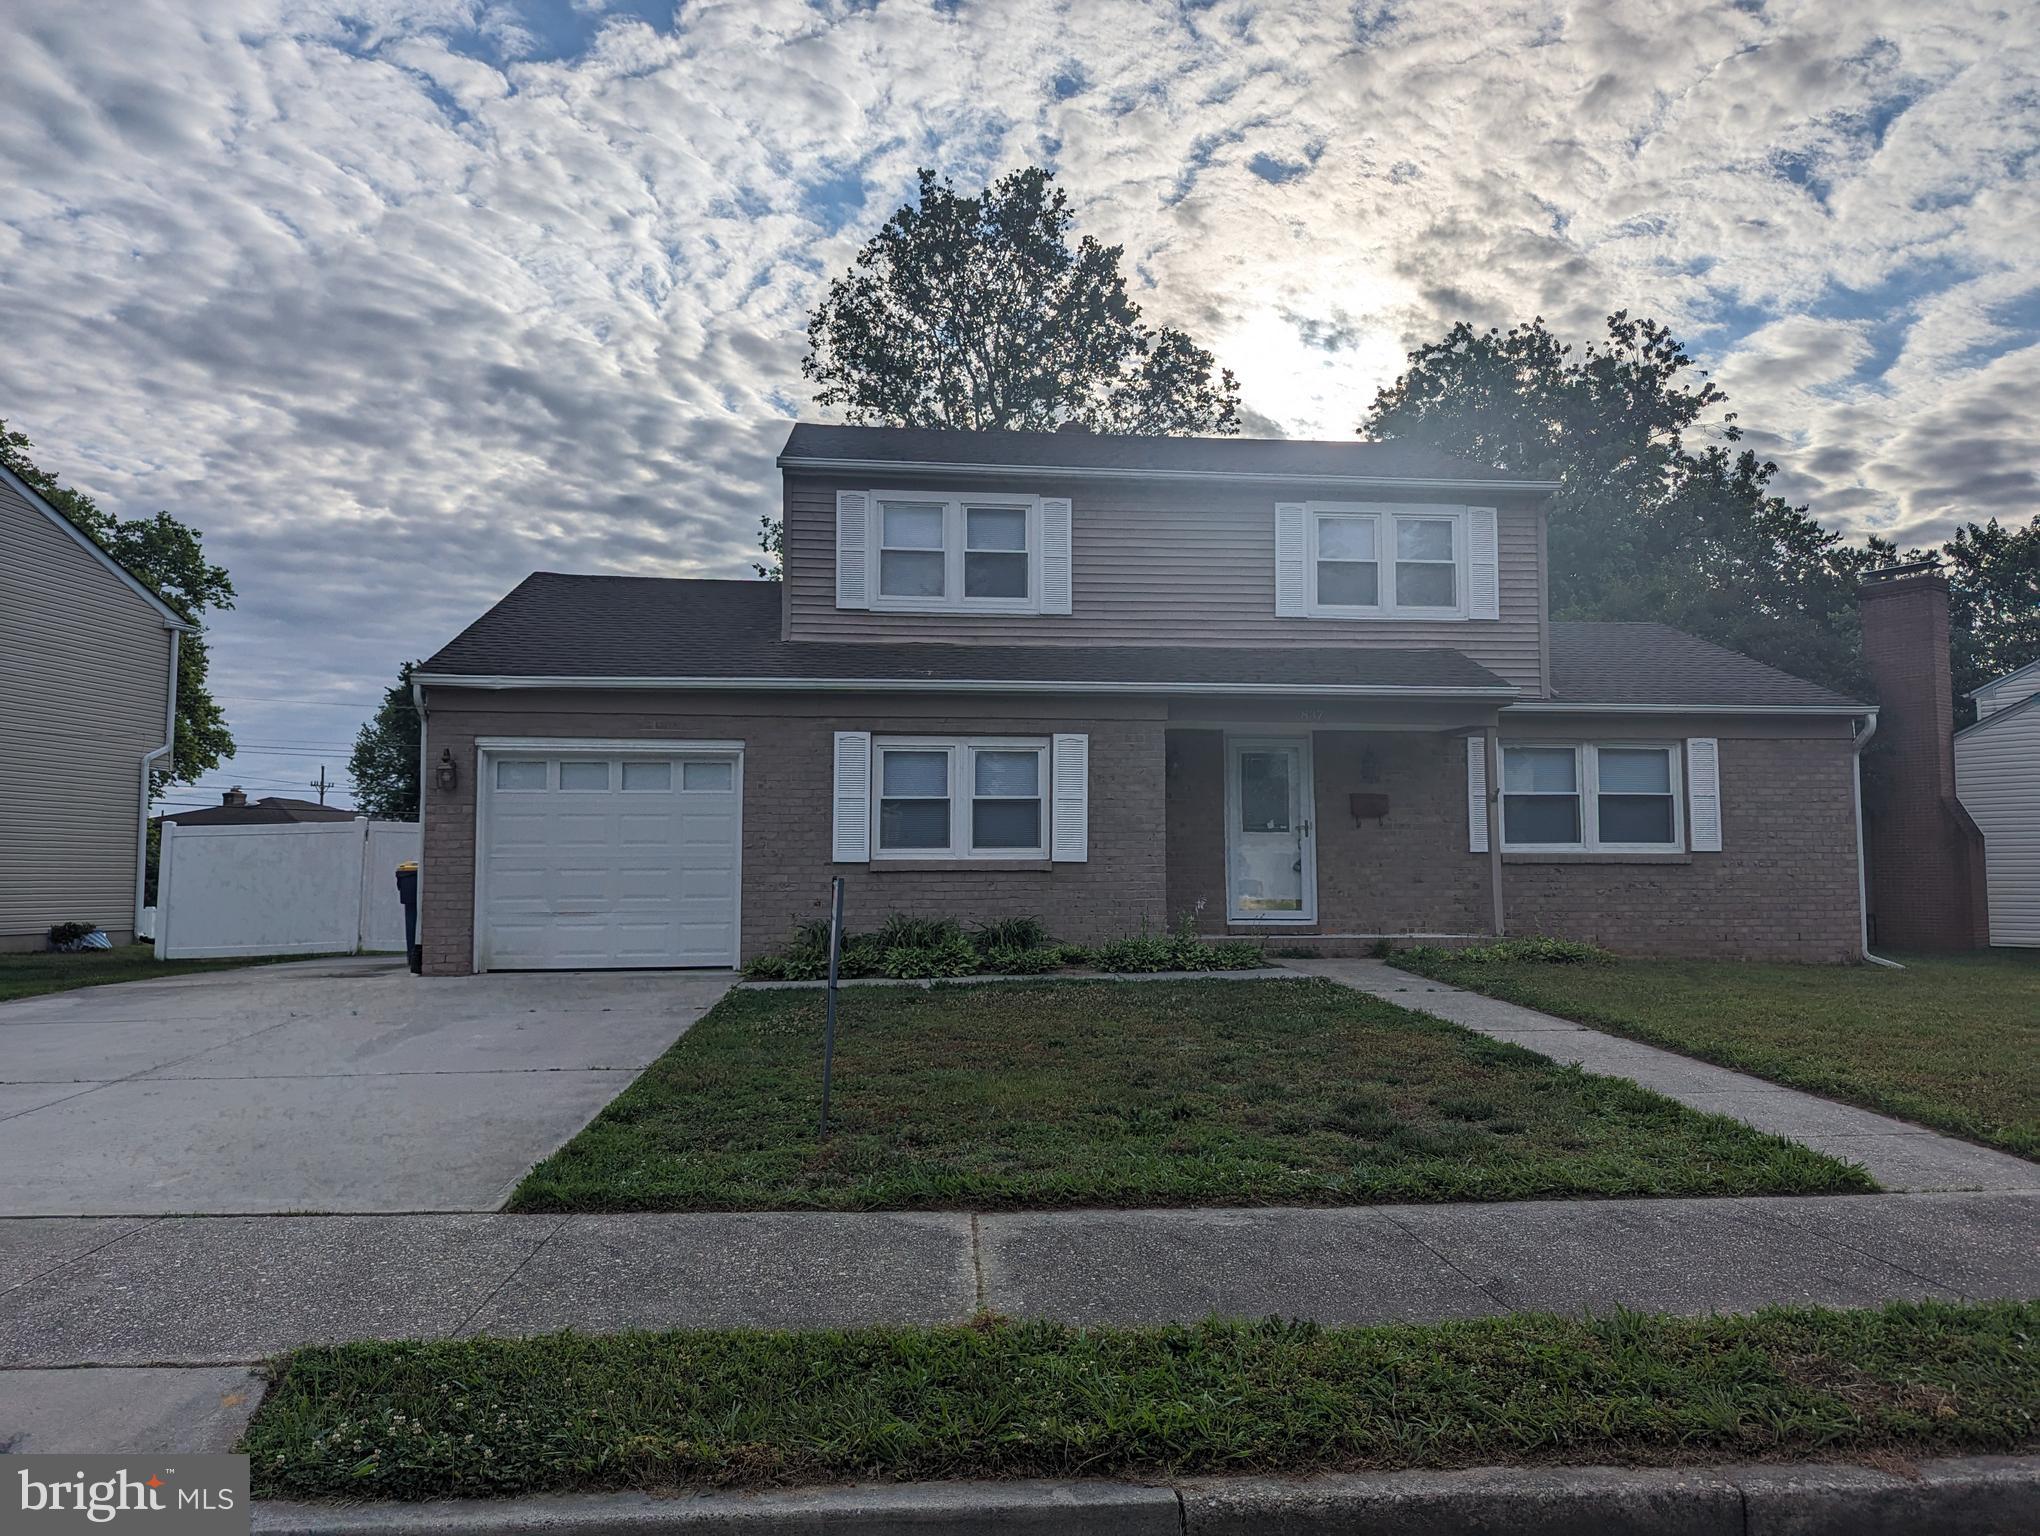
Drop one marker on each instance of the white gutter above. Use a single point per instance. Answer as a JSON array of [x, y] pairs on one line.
[[149, 760], [1558, 707], [1862, 875], [869, 467], [955, 685]]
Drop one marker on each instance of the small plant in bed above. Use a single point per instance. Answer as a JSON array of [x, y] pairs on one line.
[[908, 948]]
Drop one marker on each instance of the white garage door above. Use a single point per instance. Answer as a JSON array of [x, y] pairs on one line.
[[593, 859]]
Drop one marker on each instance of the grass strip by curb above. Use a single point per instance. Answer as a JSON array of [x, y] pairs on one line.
[[1062, 1094], [38, 973], [993, 1399], [1951, 1041]]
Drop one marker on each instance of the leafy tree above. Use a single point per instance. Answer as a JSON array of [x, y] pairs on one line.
[[169, 559], [770, 538], [384, 765], [1644, 525], [975, 312]]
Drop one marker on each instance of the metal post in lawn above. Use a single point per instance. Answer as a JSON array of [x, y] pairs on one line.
[[829, 1034]]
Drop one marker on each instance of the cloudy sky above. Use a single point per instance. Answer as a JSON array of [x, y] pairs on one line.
[[400, 301]]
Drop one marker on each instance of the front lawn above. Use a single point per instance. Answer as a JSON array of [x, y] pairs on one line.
[[1140, 1094], [1950, 1041], [493, 1417], [32, 975]]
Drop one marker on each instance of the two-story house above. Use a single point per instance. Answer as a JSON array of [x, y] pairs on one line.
[[1303, 690]]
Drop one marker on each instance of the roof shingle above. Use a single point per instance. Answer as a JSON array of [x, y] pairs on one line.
[[1615, 663]]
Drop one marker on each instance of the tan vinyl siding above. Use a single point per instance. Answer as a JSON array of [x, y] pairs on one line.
[[1171, 563], [81, 699], [1997, 779]]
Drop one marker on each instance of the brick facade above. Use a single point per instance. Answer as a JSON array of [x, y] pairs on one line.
[[787, 794], [1783, 888], [1926, 856]]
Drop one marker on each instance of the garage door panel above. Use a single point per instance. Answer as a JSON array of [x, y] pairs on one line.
[[620, 862]]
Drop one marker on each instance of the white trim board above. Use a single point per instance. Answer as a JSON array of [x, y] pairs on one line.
[[957, 685], [868, 467]]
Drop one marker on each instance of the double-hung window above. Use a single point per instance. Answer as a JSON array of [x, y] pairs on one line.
[[1380, 561], [1588, 797], [960, 799], [957, 553]]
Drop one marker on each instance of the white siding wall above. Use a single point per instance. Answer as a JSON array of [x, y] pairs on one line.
[[1997, 778], [84, 666]]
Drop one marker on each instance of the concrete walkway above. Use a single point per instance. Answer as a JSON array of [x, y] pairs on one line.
[[1901, 1156]]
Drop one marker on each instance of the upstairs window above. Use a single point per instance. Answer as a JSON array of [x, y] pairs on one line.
[[957, 553], [1387, 562]]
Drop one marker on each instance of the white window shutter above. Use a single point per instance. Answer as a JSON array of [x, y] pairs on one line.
[[1703, 793], [853, 549], [1476, 794], [1484, 565], [1070, 815], [1292, 577], [1055, 554], [852, 841]]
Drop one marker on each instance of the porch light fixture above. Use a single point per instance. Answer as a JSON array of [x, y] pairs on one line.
[[445, 774]]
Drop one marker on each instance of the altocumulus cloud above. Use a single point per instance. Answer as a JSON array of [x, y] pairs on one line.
[[399, 302]]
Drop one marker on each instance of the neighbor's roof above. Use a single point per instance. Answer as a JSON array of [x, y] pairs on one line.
[[269, 811], [1596, 663], [2024, 676], [812, 445], [631, 627]]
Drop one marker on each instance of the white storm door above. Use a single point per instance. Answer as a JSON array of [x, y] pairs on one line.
[[1271, 855]]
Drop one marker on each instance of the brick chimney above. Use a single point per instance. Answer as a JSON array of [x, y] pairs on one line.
[[235, 797], [1925, 855]]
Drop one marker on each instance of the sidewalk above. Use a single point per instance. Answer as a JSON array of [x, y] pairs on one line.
[[1900, 1156]]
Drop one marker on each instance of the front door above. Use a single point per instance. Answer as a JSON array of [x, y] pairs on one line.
[[1271, 871]]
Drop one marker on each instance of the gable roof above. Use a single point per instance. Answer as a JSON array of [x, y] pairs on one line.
[[816, 445], [649, 631], [1997, 717], [1617, 663], [85, 541], [2030, 671]]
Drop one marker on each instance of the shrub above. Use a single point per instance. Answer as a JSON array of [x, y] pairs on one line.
[[766, 968], [1072, 956], [954, 956], [1148, 952], [1007, 961], [1381, 949], [1016, 933], [900, 931], [1510, 952], [1234, 955], [69, 935]]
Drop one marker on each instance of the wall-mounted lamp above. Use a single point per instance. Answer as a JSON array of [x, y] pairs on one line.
[[444, 772]]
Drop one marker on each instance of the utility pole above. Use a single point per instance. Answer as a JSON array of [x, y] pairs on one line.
[[322, 783]]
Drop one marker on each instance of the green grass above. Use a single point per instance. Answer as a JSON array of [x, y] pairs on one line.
[[1951, 1041], [1151, 1094], [483, 1417], [32, 975]]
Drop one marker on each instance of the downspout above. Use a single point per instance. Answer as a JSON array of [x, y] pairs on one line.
[[149, 760], [1862, 876], [1491, 750], [424, 772]]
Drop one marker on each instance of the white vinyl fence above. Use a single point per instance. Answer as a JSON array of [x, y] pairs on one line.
[[306, 888]]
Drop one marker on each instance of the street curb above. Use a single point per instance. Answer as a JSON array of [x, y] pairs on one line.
[[1983, 1495], [928, 983]]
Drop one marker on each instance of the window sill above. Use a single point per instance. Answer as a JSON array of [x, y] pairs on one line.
[[974, 866], [1596, 858]]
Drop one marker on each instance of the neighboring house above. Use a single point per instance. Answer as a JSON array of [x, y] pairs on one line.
[[1110, 681], [88, 702], [1997, 776], [237, 810]]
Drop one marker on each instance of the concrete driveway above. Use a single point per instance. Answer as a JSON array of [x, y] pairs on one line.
[[327, 1085]]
